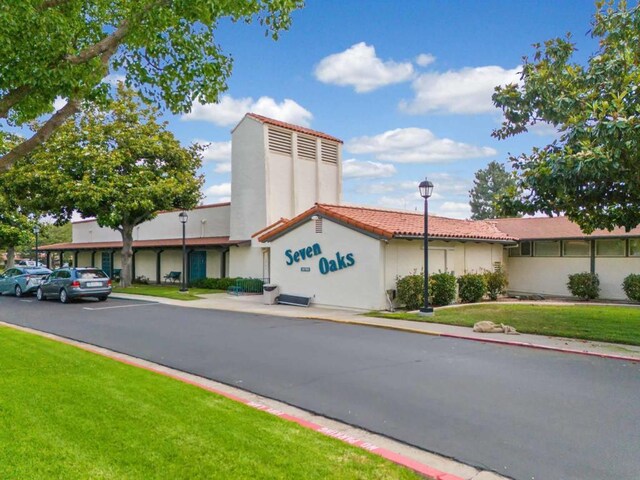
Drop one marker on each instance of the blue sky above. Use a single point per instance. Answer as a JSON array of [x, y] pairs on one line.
[[406, 85]]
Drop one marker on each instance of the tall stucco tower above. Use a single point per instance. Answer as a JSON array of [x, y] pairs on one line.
[[279, 170]]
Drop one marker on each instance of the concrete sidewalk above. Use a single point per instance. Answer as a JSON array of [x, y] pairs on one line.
[[253, 304]]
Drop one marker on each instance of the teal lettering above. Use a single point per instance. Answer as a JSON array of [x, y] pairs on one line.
[[341, 263], [332, 266], [309, 252], [316, 249], [296, 257], [324, 266], [287, 254], [350, 260]]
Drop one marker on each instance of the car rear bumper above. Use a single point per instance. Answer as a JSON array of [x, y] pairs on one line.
[[88, 292]]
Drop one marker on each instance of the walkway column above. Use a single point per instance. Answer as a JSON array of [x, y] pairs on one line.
[[112, 253], [75, 258], [93, 258], [61, 258], [159, 266], [133, 265]]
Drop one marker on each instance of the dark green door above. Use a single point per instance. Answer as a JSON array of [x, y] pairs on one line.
[[197, 266], [106, 263]]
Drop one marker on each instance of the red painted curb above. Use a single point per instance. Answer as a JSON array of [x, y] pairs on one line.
[[541, 347], [382, 452]]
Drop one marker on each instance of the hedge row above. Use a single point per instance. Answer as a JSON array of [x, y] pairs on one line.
[[253, 285]]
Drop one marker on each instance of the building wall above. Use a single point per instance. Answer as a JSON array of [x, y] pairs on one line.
[[248, 179], [245, 261], [203, 222], [543, 275], [358, 286], [549, 275]]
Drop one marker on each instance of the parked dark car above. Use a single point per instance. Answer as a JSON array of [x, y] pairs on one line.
[[22, 280], [67, 284]]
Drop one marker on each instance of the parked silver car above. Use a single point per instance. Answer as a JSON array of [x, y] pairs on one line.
[[69, 283], [22, 280]]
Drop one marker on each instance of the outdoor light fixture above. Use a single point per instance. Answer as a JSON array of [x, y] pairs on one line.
[[36, 231], [426, 189], [183, 219]]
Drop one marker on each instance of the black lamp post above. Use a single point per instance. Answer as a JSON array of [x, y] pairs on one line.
[[183, 219], [426, 188], [36, 231]]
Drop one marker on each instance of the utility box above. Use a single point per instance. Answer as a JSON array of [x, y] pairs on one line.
[[270, 294]]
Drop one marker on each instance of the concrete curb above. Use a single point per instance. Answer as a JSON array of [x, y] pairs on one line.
[[395, 457]]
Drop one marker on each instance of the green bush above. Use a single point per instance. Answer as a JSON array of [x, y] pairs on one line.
[[584, 285], [471, 287], [411, 291], [496, 282], [631, 287], [442, 288], [249, 285]]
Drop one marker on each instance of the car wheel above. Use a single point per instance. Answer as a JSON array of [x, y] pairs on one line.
[[64, 296], [18, 291], [102, 299], [40, 295]]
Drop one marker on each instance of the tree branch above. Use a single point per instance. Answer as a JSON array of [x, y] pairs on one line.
[[11, 98], [47, 4]]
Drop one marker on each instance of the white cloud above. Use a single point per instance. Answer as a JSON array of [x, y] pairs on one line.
[[223, 167], [466, 91], [215, 151], [452, 209], [229, 111], [114, 78], [407, 201], [58, 103], [359, 67], [353, 168], [415, 145], [425, 59], [223, 189]]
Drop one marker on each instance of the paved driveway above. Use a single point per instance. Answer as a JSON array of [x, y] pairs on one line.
[[523, 413]]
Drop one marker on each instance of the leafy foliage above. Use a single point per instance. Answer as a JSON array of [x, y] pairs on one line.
[[585, 285], [490, 184], [119, 166], [631, 287], [166, 50], [471, 287], [410, 290], [590, 172], [442, 288], [496, 281]]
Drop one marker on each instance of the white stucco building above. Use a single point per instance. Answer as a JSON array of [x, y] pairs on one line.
[[286, 224]]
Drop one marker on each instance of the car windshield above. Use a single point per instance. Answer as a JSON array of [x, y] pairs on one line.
[[89, 274], [37, 271]]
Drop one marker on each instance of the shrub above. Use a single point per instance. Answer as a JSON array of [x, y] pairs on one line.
[[442, 288], [631, 287], [585, 285], [496, 282], [214, 283], [411, 291], [471, 287]]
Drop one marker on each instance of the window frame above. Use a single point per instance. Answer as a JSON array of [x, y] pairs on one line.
[[556, 242], [624, 247], [564, 249]]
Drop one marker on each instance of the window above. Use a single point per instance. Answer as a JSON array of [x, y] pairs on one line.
[[576, 248], [634, 247], [64, 274], [547, 248], [91, 274], [522, 250], [610, 248]]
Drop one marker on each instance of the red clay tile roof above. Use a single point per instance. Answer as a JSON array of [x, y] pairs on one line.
[[169, 242], [540, 228], [290, 126], [394, 223]]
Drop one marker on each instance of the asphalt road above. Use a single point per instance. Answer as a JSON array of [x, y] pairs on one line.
[[524, 413]]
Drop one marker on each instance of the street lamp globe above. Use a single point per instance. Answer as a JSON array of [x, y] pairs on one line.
[[426, 188], [36, 229], [183, 217]]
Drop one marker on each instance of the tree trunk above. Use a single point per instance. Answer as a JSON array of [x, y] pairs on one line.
[[11, 257], [127, 255]]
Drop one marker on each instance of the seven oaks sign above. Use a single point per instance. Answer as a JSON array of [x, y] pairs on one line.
[[326, 266]]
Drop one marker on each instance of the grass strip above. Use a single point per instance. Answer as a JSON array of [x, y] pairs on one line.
[[68, 413], [586, 322], [166, 291]]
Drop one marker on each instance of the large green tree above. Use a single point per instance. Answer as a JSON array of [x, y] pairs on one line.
[[65, 48], [489, 186], [591, 172], [118, 165]]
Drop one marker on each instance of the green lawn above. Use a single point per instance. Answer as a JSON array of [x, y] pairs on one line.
[[607, 324], [67, 413], [166, 291]]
